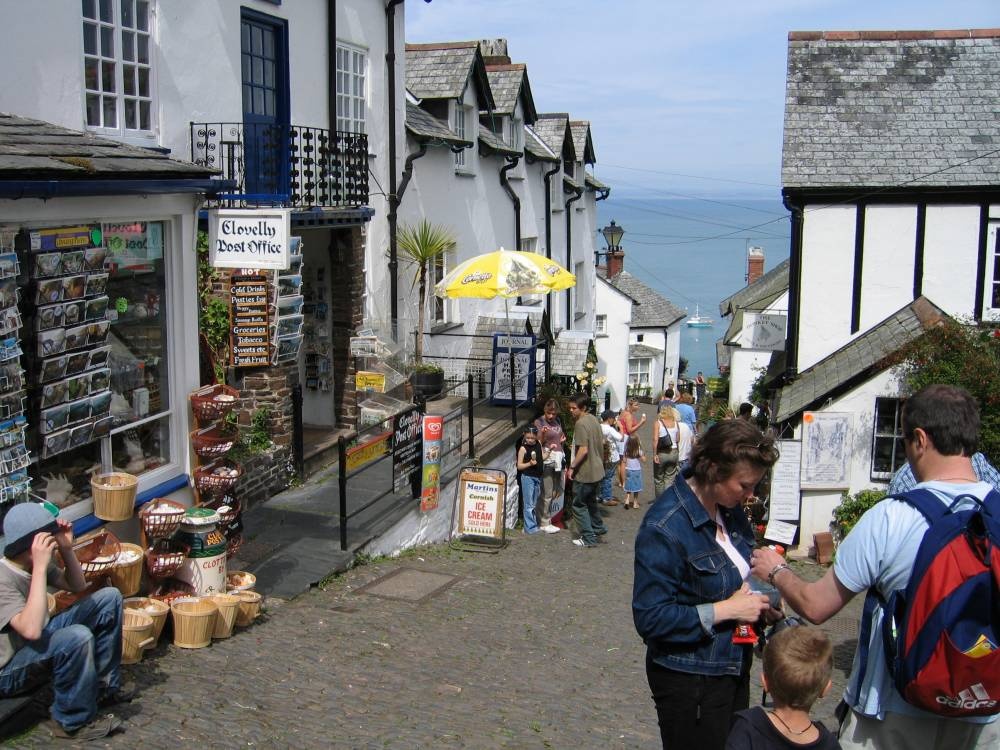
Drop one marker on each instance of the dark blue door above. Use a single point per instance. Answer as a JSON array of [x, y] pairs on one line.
[[264, 59]]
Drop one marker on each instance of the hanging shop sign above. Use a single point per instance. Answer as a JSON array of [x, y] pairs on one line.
[[520, 349], [250, 337], [763, 331], [430, 477], [406, 453], [249, 238]]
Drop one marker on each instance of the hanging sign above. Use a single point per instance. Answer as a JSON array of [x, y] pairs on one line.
[[481, 507], [249, 238], [430, 477], [250, 338], [763, 331]]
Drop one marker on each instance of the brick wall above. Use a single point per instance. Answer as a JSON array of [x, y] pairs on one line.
[[347, 305]]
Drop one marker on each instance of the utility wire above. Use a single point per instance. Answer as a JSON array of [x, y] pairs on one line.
[[696, 197], [692, 176]]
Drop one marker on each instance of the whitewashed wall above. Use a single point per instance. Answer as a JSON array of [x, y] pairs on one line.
[[612, 348], [745, 363], [672, 352]]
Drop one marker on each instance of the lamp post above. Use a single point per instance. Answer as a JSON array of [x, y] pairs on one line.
[[613, 234]]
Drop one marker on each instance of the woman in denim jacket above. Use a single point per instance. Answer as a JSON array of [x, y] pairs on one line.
[[691, 566]]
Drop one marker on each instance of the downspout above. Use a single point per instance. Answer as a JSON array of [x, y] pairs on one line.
[[331, 63], [408, 170], [511, 163], [547, 179], [569, 254], [390, 61], [602, 195], [794, 291]]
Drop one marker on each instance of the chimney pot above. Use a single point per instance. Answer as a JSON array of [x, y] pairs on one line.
[[616, 263]]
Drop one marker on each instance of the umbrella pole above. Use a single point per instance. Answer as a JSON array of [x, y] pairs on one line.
[[510, 355]]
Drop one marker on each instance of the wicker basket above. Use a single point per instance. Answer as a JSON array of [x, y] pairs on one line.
[[165, 557], [113, 495], [137, 635], [152, 608], [194, 621], [210, 485], [233, 545], [208, 407], [98, 555], [229, 606], [160, 518], [249, 607], [212, 442], [228, 516], [126, 576]]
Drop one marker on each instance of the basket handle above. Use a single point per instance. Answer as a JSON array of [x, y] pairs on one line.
[[148, 643]]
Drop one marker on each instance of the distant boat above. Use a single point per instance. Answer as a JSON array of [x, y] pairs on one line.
[[699, 321]]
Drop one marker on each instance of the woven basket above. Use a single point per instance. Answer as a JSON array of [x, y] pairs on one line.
[[113, 495], [194, 621], [165, 557], [160, 518], [212, 442], [249, 607], [152, 608], [126, 577], [211, 485], [226, 501], [233, 545], [208, 407], [98, 555], [137, 635], [229, 606]]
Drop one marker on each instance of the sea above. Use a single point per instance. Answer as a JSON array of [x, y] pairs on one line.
[[693, 251]]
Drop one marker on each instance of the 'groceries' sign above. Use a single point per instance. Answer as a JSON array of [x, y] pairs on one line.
[[248, 238]]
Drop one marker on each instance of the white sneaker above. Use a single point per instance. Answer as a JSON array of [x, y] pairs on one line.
[[550, 529]]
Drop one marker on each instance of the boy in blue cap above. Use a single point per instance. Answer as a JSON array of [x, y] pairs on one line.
[[79, 648]]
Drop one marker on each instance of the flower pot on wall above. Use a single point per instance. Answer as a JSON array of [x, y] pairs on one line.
[[427, 384]]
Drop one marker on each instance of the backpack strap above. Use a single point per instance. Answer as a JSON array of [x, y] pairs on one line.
[[873, 601], [925, 501]]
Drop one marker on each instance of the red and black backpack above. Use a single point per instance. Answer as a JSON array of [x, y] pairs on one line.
[[942, 632]]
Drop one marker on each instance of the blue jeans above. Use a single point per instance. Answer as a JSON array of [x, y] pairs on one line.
[[530, 489], [586, 512], [81, 648], [605, 492]]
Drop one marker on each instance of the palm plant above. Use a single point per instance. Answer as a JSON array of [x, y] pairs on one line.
[[421, 244]]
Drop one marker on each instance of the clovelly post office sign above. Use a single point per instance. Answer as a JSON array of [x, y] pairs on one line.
[[248, 238]]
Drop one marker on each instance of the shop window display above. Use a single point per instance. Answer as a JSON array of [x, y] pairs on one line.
[[93, 298]]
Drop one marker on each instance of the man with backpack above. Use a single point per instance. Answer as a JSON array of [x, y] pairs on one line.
[[945, 658]]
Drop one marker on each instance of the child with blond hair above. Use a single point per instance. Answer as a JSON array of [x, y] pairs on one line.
[[798, 662]]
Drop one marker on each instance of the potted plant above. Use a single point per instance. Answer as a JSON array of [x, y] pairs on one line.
[[421, 245]]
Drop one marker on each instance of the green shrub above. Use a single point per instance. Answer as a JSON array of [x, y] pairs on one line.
[[851, 508]]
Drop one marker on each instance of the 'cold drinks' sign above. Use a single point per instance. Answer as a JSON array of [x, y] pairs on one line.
[[248, 238]]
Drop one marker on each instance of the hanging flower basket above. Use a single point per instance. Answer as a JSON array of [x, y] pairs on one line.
[[213, 403], [212, 442], [217, 478]]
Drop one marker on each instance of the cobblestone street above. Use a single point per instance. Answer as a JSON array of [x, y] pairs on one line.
[[530, 648]]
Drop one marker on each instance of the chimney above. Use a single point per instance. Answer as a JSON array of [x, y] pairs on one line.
[[755, 264], [616, 263], [494, 51]]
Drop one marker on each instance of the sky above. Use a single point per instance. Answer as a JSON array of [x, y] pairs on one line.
[[684, 97]]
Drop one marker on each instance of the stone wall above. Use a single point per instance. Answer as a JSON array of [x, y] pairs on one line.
[[347, 306]]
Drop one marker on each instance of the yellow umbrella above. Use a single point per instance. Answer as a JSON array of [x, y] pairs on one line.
[[505, 273]]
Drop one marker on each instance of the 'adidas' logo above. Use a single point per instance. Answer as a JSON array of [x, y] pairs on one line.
[[974, 696]]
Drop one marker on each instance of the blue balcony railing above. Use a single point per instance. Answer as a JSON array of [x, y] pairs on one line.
[[286, 165]]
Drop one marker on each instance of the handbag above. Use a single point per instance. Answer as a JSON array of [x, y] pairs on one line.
[[665, 443]]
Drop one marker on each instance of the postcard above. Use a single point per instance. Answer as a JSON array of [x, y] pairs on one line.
[[79, 410], [96, 284], [93, 258], [100, 380], [98, 332], [73, 313], [77, 387], [49, 291], [9, 265], [53, 393], [72, 261], [80, 435], [48, 264], [48, 317], [53, 369], [96, 309], [51, 342], [54, 418], [74, 286], [100, 404], [102, 427], [8, 293], [99, 357], [76, 337], [55, 443], [77, 363]]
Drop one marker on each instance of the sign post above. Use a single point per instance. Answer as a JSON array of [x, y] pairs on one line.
[[482, 509]]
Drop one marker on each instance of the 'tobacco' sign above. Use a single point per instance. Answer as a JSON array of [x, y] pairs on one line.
[[248, 238]]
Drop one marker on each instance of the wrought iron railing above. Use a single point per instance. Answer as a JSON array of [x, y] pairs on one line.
[[287, 165]]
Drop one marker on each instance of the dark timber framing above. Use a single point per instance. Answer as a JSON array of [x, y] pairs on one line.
[[859, 264], [918, 250]]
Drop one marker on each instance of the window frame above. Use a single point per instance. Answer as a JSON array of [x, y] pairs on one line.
[[442, 310], [635, 371], [118, 30], [600, 325], [351, 122], [460, 126], [896, 437], [991, 291]]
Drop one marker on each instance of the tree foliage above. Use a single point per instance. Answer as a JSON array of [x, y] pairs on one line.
[[962, 355], [421, 244]]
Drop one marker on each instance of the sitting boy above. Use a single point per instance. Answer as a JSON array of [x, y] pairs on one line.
[[798, 662], [79, 648]]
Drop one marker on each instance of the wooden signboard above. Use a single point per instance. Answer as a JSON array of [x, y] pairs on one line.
[[250, 336], [482, 506]]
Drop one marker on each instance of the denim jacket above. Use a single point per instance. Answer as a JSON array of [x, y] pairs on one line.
[[679, 566]]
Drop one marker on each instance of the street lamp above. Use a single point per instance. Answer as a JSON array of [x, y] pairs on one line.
[[613, 236]]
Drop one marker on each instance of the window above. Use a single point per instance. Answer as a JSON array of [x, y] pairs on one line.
[[529, 245], [569, 168], [440, 308], [601, 325], [352, 74], [117, 66], [579, 301], [992, 307], [458, 125], [639, 337], [888, 453], [639, 381], [557, 191]]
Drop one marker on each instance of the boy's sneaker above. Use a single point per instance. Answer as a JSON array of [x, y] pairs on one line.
[[124, 693], [100, 726], [550, 529], [581, 543]]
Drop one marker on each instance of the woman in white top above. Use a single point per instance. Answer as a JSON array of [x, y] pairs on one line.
[[672, 440]]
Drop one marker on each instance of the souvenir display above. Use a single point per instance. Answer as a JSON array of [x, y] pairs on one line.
[[286, 329], [14, 455]]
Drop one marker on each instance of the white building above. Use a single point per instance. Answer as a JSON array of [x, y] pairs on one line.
[[891, 173]]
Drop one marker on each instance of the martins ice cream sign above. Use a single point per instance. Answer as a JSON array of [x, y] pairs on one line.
[[248, 238]]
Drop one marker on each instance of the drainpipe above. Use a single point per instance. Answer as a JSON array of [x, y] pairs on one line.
[[569, 253], [331, 64], [794, 291], [511, 163], [602, 194], [547, 178], [408, 170], [390, 61]]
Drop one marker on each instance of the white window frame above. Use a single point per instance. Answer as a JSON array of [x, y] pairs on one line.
[[460, 125], [114, 46], [991, 302], [441, 310], [640, 371], [896, 437], [529, 245], [578, 308], [557, 199], [601, 325], [352, 88]]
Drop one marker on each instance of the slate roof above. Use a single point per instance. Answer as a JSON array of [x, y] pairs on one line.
[[508, 82], [650, 309], [425, 127], [534, 146], [721, 355], [751, 296], [583, 144], [36, 150], [442, 70], [495, 144], [642, 351], [567, 180], [592, 182], [879, 109], [553, 130], [860, 358], [736, 324]]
